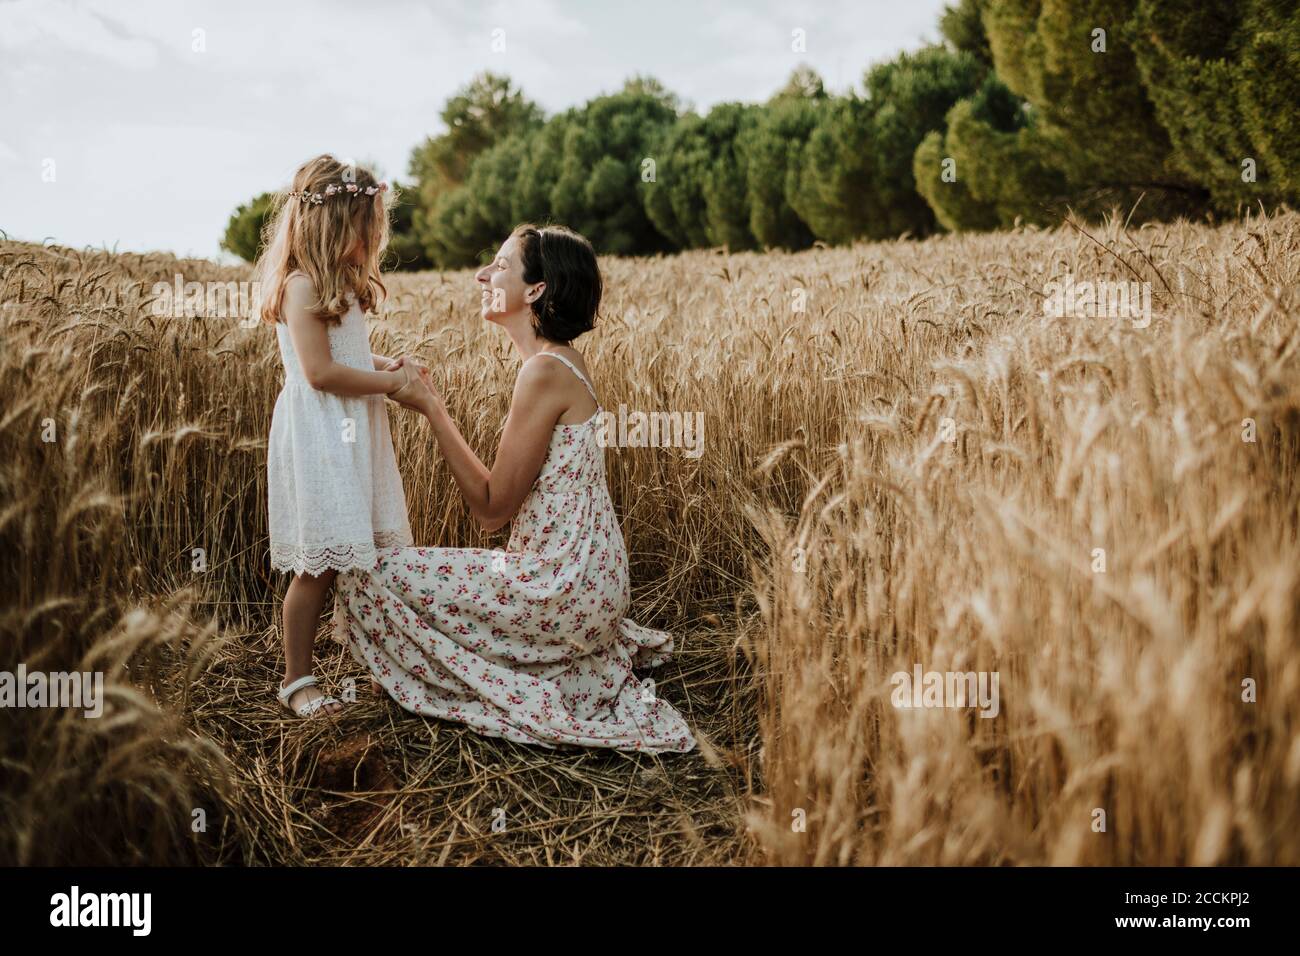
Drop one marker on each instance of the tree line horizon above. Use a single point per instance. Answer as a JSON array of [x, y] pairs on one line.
[[1025, 110]]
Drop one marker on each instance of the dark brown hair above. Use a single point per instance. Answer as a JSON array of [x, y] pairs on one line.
[[565, 261]]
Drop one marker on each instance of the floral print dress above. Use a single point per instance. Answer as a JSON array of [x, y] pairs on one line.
[[530, 643]]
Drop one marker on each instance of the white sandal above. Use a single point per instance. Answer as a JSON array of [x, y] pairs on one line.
[[308, 709]]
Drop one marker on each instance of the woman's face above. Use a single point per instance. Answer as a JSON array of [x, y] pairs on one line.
[[504, 292]]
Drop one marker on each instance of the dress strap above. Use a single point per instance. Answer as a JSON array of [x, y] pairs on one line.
[[575, 371]]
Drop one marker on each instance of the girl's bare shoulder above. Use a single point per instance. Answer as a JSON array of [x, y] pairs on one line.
[[299, 290]]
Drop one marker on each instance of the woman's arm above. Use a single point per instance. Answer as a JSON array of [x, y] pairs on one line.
[[494, 495], [311, 342]]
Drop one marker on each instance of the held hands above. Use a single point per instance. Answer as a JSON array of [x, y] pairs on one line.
[[417, 392], [408, 361]]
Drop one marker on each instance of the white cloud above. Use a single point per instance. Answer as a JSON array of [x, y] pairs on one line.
[[62, 26], [156, 143]]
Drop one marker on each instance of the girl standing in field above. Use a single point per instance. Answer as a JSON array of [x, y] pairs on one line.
[[334, 494]]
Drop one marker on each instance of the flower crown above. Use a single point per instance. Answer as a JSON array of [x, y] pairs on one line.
[[338, 189]]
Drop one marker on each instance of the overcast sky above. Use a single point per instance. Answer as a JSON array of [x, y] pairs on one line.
[[152, 132]]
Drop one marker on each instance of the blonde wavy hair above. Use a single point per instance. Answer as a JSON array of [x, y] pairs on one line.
[[317, 239]]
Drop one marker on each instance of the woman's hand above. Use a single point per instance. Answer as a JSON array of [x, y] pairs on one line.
[[427, 379], [419, 392]]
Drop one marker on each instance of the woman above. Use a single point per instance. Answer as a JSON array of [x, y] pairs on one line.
[[529, 643]]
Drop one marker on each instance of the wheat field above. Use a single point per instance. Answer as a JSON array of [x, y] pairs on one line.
[[906, 463]]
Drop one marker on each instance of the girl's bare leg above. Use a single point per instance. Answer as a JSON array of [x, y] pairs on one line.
[[303, 602]]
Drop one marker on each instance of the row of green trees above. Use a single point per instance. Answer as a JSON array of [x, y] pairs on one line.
[[1027, 107], [636, 174], [1189, 104]]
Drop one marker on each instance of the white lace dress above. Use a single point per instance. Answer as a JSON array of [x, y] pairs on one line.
[[335, 497]]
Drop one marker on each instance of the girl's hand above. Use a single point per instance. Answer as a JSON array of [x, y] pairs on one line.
[[418, 392], [411, 396], [408, 361]]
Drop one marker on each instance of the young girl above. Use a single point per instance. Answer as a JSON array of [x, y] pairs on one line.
[[334, 494]]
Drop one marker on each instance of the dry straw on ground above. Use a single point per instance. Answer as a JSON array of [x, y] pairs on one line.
[[828, 537]]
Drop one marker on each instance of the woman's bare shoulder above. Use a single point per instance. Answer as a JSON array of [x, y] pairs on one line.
[[576, 357]]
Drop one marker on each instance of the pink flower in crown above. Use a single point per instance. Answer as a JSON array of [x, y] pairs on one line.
[[351, 187]]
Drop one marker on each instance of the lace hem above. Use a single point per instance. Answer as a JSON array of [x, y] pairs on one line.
[[341, 557]]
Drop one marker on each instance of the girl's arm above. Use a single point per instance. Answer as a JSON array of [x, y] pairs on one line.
[[311, 342], [380, 362], [494, 495]]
